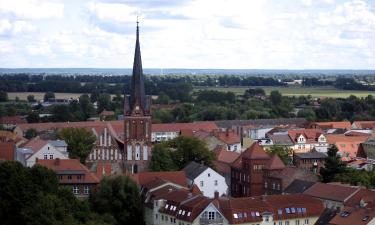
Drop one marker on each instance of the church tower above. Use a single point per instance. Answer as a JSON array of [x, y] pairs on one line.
[[137, 119]]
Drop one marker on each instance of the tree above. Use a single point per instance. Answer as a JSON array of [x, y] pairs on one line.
[[332, 166], [163, 98], [79, 140], [33, 117], [61, 113], [30, 133], [86, 106], [104, 102], [161, 159], [275, 97], [307, 113], [48, 95], [3, 96], [118, 196], [31, 98], [188, 149], [282, 151]]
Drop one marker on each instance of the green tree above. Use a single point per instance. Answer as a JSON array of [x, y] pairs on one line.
[[48, 95], [282, 151], [3, 96], [33, 117], [188, 149], [61, 113], [79, 140], [163, 98], [161, 159], [275, 97], [118, 196], [31, 98], [30, 133], [104, 102], [86, 106], [307, 113], [332, 166]]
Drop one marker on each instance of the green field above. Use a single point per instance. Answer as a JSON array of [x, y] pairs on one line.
[[40, 95], [297, 91]]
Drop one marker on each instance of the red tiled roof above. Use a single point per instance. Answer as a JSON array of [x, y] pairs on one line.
[[12, 120], [35, 144], [368, 196], [347, 145], [364, 124], [353, 216], [310, 134], [333, 192], [177, 177], [225, 156], [228, 137], [255, 151], [333, 125], [107, 113], [68, 166], [7, 150]]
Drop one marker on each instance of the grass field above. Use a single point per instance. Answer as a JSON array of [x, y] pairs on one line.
[[40, 95], [297, 91]]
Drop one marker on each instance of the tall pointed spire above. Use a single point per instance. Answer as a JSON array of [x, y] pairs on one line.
[[138, 96]]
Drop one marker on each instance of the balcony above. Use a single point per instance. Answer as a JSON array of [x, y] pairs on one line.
[[206, 221]]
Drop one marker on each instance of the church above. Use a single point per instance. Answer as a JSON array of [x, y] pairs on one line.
[[137, 119]]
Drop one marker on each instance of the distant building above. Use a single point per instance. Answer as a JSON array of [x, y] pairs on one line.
[[305, 140], [72, 174], [10, 122], [206, 179], [309, 161]]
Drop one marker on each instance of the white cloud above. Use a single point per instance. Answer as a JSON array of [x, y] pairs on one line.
[[32, 9], [113, 11]]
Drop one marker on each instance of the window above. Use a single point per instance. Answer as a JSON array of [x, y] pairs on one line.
[[297, 222], [76, 190], [188, 214], [211, 215], [265, 184], [166, 206], [208, 174], [279, 211], [60, 177], [50, 156], [129, 152], [156, 216], [69, 177], [78, 177], [45, 156], [286, 222], [287, 210], [235, 215], [306, 221], [201, 183], [145, 152], [215, 182], [293, 210], [137, 152], [280, 222], [86, 190]]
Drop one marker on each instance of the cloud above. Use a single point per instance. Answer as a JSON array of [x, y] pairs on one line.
[[32, 9], [8, 28]]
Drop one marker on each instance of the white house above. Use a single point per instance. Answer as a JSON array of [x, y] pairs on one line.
[[206, 179], [42, 149], [304, 140]]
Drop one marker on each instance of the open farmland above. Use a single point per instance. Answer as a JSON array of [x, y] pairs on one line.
[[297, 91]]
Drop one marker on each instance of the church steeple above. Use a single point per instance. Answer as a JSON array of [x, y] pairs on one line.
[[137, 92]]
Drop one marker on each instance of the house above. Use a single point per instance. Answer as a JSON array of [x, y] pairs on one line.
[[334, 196], [42, 149], [359, 209], [305, 140], [369, 148], [7, 135], [10, 122], [72, 174], [180, 207], [309, 161], [281, 140], [223, 162], [206, 179], [176, 177]]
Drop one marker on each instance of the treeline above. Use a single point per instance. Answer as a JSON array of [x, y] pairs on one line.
[[344, 83]]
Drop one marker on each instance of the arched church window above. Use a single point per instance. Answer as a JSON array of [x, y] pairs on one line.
[[137, 152], [145, 152], [129, 152]]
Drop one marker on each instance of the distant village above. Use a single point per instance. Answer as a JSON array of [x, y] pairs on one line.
[[248, 182]]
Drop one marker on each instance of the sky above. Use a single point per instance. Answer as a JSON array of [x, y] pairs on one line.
[[225, 34]]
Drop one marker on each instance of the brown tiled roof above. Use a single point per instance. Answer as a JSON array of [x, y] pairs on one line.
[[255, 151], [7, 150], [275, 163], [347, 144], [298, 206], [103, 169], [368, 196], [177, 177], [333, 192], [290, 173], [225, 156], [364, 124], [170, 127], [354, 216], [12, 120], [107, 113], [69, 166]]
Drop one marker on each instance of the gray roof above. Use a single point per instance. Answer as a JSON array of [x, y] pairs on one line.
[[260, 122], [298, 186], [58, 143], [311, 155], [193, 169], [280, 139]]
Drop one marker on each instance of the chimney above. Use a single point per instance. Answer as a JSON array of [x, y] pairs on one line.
[[57, 161], [216, 195], [227, 132]]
